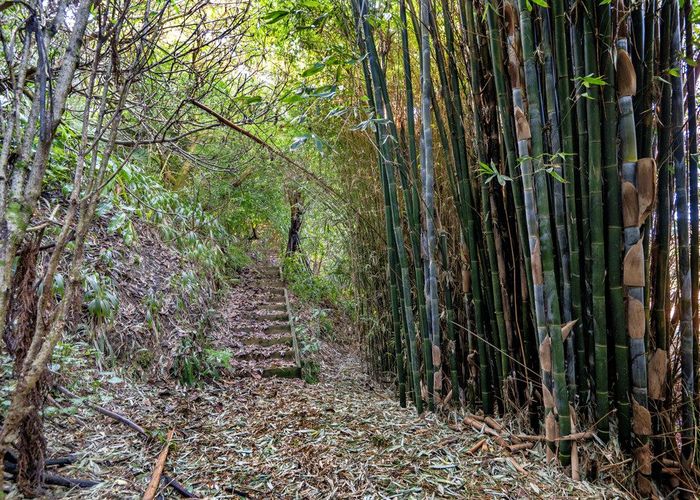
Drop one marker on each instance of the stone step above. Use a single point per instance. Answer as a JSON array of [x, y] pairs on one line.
[[269, 316], [279, 354], [278, 329], [272, 329], [276, 306], [268, 341], [282, 372]]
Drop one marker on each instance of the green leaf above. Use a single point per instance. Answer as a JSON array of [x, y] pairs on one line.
[[325, 92], [591, 79], [318, 143], [298, 142], [336, 112], [542, 3], [556, 175], [249, 99], [316, 68], [275, 16]]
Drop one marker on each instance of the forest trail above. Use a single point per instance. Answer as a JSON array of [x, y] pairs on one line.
[[255, 437]]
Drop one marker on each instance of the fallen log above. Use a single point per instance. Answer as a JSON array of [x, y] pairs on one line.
[[158, 469]]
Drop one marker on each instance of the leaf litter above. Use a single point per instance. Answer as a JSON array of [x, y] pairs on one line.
[[252, 437]]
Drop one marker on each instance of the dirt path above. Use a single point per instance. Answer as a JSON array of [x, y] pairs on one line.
[[344, 437]]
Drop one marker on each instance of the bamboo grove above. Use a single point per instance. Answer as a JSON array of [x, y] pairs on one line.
[[538, 166]]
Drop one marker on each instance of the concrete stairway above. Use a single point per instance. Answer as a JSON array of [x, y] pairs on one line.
[[262, 330]]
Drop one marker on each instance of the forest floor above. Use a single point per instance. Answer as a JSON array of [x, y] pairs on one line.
[[252, 437]]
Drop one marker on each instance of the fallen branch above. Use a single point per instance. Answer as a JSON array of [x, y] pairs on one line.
[[174, 484], [158, 470], [169, 481], [106, 412], [55, 479]]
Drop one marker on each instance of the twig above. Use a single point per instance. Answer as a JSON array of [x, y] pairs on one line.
[[158, 470]]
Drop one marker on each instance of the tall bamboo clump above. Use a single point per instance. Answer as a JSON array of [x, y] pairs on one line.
[[564, 173]]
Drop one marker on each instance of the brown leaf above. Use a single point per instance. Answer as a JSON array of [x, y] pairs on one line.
[[657, 373], [536, 262], [634, 265], [641, 419], [643, 486], [626, 77], [642, 457], [511, 17], [521, 125], [546, 354], [547, 398], [630, 205], [437, 356], [636, 320], [566, 329]]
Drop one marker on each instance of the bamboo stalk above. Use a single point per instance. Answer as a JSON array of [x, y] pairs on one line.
[[635, 189], [449, 319], [389, 159], [683, 275], [597, 228], [428, 177], [584, 340]]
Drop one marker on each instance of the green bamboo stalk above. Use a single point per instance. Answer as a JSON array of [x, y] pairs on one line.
[[597, 227], [454, 112], [410, 186], [557, 186], [660, 304], [613, 251], [693, 195], [553, 321], [663, 214], [392, 267], [566, 109], [583, 328], [388, 162], [508, 136], [502, 361]]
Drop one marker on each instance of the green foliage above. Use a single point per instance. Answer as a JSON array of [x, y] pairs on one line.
[[100, 298], [196, 364], [307, 286]]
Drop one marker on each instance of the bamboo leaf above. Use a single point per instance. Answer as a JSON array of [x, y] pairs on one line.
[[275, 16]]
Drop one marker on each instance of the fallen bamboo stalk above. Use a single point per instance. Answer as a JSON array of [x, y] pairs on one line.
[[483, 427], [577, 436], [516, 465], [479, 444], [158, 470], [493, 424], [521, 446]]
